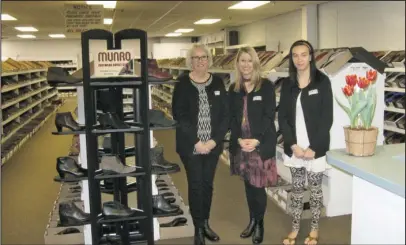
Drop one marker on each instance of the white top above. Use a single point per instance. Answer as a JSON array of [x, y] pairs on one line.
[[315, 165]]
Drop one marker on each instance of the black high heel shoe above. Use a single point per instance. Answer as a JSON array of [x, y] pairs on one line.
[[68, 168], [111, 120], [65, 120]]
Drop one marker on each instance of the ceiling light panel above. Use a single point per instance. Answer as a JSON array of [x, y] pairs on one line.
[[57, 35], [174, 34], [7, 17], [26, 28], [106, 4], [248, 4], [184, 30], [206, 21], [26, 36], [108, 21]]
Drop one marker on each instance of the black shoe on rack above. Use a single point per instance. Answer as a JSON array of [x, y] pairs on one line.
[[70, 230], [68, 168], [209, 233], [159, 164], [71, 215], [114, 238], [58, 75], [114, 210], [111, 120], [179, 221], [162, 208], [65, 120]]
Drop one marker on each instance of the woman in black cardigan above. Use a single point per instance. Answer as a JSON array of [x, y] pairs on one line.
[[199, 105], [305, 118], [253, 137]]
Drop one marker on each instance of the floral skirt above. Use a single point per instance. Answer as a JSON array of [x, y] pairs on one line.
[[250, 167]]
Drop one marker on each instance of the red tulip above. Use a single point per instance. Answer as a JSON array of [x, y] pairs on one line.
[[351, 80], [363, 82], [348, 90], [371, 76]]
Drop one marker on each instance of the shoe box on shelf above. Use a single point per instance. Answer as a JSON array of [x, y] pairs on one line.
[[54, 232]]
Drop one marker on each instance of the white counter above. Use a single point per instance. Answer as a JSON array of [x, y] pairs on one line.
[[378, 194]]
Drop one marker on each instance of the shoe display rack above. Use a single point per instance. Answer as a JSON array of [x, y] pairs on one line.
[[109, 168], [27, 101], [274, 66], [394, 117]]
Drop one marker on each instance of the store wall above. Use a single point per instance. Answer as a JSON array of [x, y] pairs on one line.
[[374, 25]]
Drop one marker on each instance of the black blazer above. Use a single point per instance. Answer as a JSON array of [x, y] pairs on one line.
[[261, 106], [317, 104], [185, 110]]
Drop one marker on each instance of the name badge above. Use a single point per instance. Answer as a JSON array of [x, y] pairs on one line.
[[314, 91], [216, 93], [257, 98]]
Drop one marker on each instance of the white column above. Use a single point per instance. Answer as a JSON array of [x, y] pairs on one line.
[[310, 24]]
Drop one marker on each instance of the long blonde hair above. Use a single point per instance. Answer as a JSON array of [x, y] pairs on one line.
[[256, 73]]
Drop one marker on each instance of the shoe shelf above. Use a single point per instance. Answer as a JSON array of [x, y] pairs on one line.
[[15, 139], [394, 121]]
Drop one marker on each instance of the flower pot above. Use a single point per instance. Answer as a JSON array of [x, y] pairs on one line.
[[361, 142]]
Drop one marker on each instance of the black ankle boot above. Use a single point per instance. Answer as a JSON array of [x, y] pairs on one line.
[[199, 237], [209, 233], [249, 230], [258, 235]]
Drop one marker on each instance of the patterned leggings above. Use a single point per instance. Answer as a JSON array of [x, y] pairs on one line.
[[316, 196]]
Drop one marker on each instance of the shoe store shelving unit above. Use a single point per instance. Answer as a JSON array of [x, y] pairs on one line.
[[26, 103], [274, 66]]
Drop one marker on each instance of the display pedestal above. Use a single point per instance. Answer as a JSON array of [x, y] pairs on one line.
[[378, 194]]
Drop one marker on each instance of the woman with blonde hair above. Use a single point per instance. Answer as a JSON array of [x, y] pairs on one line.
[[199, 105], [252, 103]]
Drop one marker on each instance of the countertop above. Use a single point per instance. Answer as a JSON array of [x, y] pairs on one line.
[[385, 169]]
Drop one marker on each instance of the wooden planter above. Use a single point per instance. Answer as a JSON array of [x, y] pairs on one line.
[[361, 142]]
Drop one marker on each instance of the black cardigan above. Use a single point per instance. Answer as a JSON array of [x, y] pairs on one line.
[[185, 110], [261, 106], [317, 104]]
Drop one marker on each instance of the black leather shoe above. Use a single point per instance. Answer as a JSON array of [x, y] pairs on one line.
[[113, 210], [160, 206], [69, 230], [180, 221], [170, 200], [115, 238], [209, 233], [111, 120], [65, 120], [58, 75], [258, 234], [67, 168], [71, 215], [249, 230], [199, 238]]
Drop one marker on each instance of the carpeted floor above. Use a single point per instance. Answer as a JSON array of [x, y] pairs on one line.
[[28, 192]]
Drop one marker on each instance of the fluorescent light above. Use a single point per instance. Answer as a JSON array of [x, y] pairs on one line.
[[184, 30], [57, 35], [26, 36], [108, 21], [248, 4], [26, 28], [7, 17], [206, 21], [173, 34], [106, 4]]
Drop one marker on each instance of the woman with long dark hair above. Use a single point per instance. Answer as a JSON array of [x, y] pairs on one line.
[[253, 137], [305, 118]]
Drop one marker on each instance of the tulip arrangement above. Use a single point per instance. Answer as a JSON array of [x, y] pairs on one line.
[[361, 95]]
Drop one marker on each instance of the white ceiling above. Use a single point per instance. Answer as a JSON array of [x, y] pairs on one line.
[[156, 17]]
